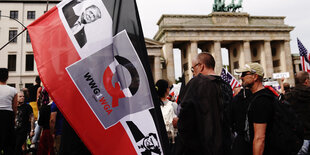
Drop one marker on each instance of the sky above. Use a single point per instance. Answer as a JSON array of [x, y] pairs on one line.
[[297, 13]]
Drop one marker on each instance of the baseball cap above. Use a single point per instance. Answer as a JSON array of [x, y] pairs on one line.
[[253, 68]]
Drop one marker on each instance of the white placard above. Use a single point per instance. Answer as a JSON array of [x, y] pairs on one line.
[[271, 83], [280, 75]]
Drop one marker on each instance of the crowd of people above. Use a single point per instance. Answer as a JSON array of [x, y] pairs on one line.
[[203, 118], [210, 120], [31, 123]]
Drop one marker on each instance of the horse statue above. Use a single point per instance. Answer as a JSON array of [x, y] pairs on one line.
[[230, 6], [237, 6], [219, 6]]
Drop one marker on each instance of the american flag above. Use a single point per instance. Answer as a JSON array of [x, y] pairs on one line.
[[227, 77], [304, 56]]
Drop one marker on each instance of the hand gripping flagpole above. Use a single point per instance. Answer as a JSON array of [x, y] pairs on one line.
[[25, 28]]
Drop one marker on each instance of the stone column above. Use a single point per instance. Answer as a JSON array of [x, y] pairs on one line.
[[217, 54], [192, 52], [268, 66], [168, 51], [289, 64], [247, 52], [282, 58], [263, 56], [297, 68], [157, 68]]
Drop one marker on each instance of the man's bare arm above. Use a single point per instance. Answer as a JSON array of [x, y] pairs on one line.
[[259, 138], [14, 105], [53, 122], [32, 124]]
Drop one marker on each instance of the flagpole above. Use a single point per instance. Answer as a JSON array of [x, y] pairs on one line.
[[13, 39], [25, 28], [46, 6]]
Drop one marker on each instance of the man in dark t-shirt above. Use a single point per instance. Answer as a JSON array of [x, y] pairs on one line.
[[260, 111], [24, 122]]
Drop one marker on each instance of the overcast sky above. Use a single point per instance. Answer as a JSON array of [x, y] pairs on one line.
[[297, 13]]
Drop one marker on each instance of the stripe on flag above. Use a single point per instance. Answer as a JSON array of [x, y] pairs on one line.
[[227, 77], [304, 56], [305, 65]]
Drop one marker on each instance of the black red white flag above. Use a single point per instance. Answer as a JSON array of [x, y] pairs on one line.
[[92, 59]]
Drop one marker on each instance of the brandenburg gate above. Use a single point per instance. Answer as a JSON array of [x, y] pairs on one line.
[[262, 39]]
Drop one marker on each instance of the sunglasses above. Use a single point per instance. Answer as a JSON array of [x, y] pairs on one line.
[[243, 74]]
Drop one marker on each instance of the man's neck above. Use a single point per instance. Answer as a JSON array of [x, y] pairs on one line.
[[78, 22], [208, 72], [257, 86], [2, 83]]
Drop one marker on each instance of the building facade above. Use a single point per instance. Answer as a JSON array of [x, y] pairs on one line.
[[263, 39], [296, 63], [17, 56]]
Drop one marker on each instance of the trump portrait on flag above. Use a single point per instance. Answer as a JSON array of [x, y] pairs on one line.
[[81, 20], [77, 22]]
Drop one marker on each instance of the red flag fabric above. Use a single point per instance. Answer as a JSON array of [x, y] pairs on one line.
[[97, 77]]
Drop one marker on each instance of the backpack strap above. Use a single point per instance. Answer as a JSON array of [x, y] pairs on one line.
[[246, 122], [272, 90]]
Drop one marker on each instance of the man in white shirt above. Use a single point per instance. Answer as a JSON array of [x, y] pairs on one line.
[[8, 108]]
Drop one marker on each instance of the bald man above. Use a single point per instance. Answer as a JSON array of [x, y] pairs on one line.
[[200, 125]]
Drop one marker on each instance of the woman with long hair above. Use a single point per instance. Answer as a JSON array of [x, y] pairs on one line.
[[166, 107]]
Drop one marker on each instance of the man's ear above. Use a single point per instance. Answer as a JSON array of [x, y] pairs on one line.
[[307, 82], [255, 77], [202, 67]]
